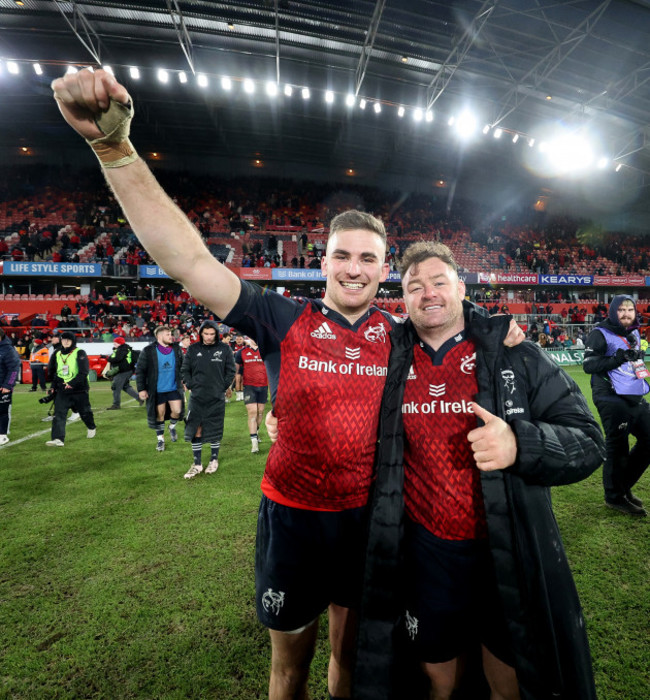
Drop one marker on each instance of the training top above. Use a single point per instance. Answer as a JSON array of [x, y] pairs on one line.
[[326, 378], [254, 372], [442, 485]]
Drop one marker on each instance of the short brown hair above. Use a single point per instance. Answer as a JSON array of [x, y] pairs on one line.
[[353, 219], [160, 329], [423, 250]]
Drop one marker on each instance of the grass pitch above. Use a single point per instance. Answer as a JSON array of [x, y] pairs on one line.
[[121, 579]]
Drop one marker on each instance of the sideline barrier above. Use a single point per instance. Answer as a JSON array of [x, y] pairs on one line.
[[566, 356]]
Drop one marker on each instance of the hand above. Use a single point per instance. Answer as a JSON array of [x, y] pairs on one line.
[[144, 395], [494, 444], [228, 392], [620, 356], [4, 390], [67, 386], [81, 96], [271, 423], [515, 335]]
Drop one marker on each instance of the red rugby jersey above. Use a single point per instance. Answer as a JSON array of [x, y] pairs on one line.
[[442, 485], [253, 367], [328, 397]]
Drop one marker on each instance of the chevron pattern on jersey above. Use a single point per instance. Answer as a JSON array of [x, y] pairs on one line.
[[329, 392], [442, 485]]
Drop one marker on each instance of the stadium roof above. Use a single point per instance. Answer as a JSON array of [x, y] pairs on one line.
[[524, 66]]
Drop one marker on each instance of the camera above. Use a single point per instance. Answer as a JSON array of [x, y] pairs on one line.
[[630, 355], [48, 398]]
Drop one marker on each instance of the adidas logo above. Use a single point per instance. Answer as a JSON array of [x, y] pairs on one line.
[[437, 389], [323, 332]]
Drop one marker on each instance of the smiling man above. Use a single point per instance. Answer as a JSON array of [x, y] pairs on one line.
[[477, 432]]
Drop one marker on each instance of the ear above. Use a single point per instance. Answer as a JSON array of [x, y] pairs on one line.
[[323, 265], [461, 289], [385, 271]]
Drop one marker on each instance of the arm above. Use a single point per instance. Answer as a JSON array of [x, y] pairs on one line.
[[13, 368], [141, 373], [561, 442], [186, 371], [229, 368], [596, 361], [162, 228]]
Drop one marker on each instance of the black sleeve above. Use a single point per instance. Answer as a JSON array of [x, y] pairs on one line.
[[186, 370], [141, 370], [229, 368], [561, 442], [263, 315], [596, 360]]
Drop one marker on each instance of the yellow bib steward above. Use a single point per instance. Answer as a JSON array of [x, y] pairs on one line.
[[67, 367]]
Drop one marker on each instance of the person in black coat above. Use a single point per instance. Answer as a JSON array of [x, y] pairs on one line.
[[121, 363], [159, 383], [69, 368], [482, 563], [208, 370], [9, 373]]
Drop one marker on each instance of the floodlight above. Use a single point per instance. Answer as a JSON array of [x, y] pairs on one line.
[[531, 142], [486, 128], [305, 93], [134, 73], [288, 90], [429, 115], [12, 67], [417, 115], [350, 100], [401, 111], [466, 124], [451, 121], [329, 97], [362, 103], [619, 166], [249, 86], [515, 138], [202, 80], [602, 163], [182, 77], [271, 89], [377, 107], [37, 69], [226, 83], [162, 75], [497, 133]]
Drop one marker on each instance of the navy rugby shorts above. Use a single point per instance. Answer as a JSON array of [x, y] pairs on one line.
[[255, 394], [305, 560], [452, 599], [164, 397]]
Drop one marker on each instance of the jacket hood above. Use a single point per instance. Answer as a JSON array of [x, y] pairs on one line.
[[209, 324], [611, 322]]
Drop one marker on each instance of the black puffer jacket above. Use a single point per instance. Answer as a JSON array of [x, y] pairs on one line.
[[558, 442]]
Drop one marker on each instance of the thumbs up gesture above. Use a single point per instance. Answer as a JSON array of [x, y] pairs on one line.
[[494, 444]]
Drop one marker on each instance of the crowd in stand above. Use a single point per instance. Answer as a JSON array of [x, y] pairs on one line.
[[42, 221]]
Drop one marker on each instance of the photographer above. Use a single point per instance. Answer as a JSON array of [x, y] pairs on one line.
[[69, 371], [615, 360], [122, 363]]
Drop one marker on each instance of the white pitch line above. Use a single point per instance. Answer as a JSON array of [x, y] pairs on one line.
[[45, 432]]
